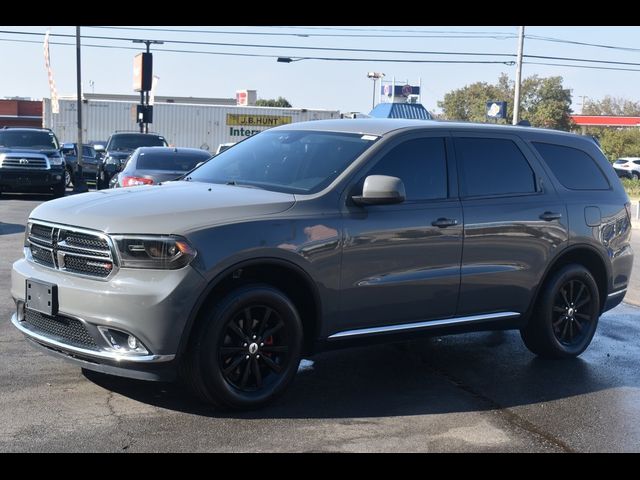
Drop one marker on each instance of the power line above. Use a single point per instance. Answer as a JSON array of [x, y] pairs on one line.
[[331, 35], [389, 60], [290, 47]]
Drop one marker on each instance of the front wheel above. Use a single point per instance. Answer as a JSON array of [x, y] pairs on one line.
[[565, 316], [247, 350], [635, 176], [68, 177]]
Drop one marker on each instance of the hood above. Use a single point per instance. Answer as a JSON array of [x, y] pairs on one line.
[[172, 208], [119, 154], [44, 151]]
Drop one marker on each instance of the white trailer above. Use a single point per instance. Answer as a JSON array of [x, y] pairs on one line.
[[183, 125]]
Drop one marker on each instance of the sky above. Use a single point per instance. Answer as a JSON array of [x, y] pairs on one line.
[[310, 82]]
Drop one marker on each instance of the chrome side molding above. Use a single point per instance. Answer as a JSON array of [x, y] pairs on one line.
[[424, 325]]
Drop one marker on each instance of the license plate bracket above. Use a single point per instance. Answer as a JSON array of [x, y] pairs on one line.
[[41, 296]]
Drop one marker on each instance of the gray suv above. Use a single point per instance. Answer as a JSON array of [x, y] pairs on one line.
[[324, 234]]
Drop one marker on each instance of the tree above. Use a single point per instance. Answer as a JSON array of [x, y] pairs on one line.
[[280, 102], [615, 142], [543, 101], [611, 106]]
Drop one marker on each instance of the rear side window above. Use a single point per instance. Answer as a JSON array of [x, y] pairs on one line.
[[493, 166], [573, 168]]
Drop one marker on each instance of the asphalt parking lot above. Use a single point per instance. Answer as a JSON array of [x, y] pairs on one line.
[[479, 392]]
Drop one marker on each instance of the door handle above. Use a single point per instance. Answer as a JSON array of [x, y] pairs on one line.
[[444, 222], [550, 216]]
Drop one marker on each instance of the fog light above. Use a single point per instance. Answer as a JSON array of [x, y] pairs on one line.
[[123, 342], [58, 177]]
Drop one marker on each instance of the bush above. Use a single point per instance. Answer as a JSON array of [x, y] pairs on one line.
[[632, 187]]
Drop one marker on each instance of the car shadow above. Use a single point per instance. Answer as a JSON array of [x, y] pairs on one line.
[[10, 228], [469, 372]]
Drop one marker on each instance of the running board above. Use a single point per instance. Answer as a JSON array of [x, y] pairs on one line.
[[424, 325]]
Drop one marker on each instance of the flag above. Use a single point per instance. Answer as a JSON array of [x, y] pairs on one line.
[[55, 107]]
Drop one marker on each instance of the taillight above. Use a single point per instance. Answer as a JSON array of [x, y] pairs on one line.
[[134, 181]]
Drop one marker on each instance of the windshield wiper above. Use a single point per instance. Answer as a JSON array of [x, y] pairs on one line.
[[244, 185]]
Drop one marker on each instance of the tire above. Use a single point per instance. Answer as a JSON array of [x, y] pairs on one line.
[[565, 316], [59, 190], [241, 367], [68, 177], [635, 176]]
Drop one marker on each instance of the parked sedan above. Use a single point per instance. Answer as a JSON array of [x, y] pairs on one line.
[[628, 167], [149, 165]]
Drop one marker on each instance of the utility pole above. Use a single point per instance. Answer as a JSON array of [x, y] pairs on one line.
[[516, 100], [79, 184]]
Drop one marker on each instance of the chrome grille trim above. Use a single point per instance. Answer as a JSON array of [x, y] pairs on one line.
[[25, 161], [73, 258]]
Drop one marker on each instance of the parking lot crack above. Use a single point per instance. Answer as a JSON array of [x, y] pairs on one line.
[[129, 439], [505, 412]]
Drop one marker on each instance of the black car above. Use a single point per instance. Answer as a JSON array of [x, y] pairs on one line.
[[119, 147], [31, 161], [91, 156], [149, 165]]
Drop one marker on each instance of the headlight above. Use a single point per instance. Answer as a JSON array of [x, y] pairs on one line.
[[154, 251], [55, 160]]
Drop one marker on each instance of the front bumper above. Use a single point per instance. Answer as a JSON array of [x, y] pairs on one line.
[[152, 305], [17, 180]]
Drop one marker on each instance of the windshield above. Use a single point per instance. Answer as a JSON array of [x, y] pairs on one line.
[[285, 161], [133, 141], [175, 162], [28, 139]]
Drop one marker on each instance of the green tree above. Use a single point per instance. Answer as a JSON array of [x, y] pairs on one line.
[[279, 102], [543, 101], [615, 142], [611, 106]]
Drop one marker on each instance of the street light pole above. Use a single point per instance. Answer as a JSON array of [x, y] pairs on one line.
[[375, 76], [516, 99], [79, 184]]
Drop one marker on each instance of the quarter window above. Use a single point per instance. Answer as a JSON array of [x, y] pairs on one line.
[[493, 166], [573, 168], [421, 164]]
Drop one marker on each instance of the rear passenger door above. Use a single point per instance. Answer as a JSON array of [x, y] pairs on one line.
[[514, 222]]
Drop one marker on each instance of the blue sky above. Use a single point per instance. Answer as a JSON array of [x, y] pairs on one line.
[[309, 83]]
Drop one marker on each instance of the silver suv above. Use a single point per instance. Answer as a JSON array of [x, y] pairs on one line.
[[325, 234]]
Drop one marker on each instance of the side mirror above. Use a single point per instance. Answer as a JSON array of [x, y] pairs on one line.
[[68, 148], [98, 148], [381, 190]]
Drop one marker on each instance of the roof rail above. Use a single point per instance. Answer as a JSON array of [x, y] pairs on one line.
[[135, 131]]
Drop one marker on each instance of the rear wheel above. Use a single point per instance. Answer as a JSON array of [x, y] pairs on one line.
[[635, 176], [247, 350], [566, 314]]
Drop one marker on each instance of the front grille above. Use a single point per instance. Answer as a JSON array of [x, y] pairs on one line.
[[72, 250], [42, 255], [26, 162], [64, 329], [96, 268]]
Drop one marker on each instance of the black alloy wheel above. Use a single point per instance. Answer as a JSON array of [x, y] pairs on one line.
[[247, 350], [572, 312], [68, 177], [254, 348], [566, 314]]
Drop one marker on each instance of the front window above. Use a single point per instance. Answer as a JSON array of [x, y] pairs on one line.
[[26, 139], [285, 161], [133, 141]]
